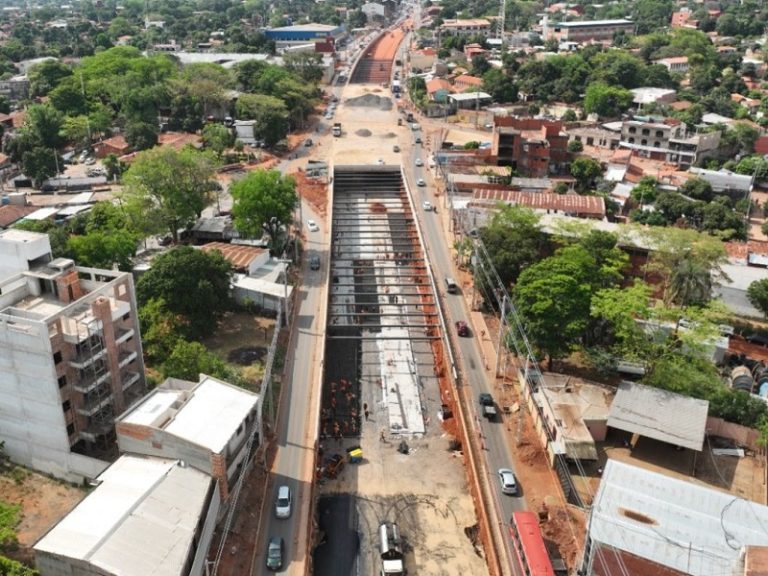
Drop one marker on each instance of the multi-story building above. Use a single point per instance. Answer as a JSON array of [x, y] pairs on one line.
[[70, 358], [675, 64], [469, 26], [591, 30], [667, 139], [207, 424], [288, 36], [535, 147]]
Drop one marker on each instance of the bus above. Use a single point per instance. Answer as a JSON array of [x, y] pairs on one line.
[[532, 556]]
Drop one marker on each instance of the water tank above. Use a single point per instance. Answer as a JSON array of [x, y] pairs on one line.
[[761, 374], [741, 379], [5, 200], [763, 391], [17, 198]]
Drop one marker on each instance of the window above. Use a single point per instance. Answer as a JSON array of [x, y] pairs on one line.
[[657, 144], [66, 405], [659, 134], [643, 142], [632, 130], [646, 132], [631, 140], [57, 357], [63, 381], [70, 429]]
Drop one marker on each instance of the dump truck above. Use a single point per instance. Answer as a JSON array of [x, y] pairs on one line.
[[336, 129]]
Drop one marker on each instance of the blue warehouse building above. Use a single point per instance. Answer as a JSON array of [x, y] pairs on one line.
[[287, 36]]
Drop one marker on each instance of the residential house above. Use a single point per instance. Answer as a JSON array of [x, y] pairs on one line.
[[683, 19], [12, 213], [667, 139], [116, 145], [675, 64], [594, 136], [752, 105], [208, 424], [467, 82], [473, 26], [472, 50], [71, 360], [144, 516], [535, 147], [650, 95], [244, 259], [423, 59], [438, 90], [15, 88]]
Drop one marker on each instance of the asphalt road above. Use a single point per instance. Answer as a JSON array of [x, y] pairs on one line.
[[470, 356]]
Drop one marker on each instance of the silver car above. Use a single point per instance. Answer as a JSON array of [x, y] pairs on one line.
[[508, 482]]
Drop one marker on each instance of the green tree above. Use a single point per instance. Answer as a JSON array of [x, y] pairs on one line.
[[218, 138], [305, 65], [99, 249], [193, 284], [46, 76], [264, 201], [575, 146], [646, 191], [586, 171], [43, 123], [758, 295], [553, 299], [513, 240], [141, 135], [698, 189], [39, 164], [270, 114], [606, 100], [161, 329], [190, 359], [501, 87], [169, 187]]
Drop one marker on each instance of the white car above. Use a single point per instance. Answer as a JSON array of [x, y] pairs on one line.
[[312, 225], [419, 162], [427, 206], [283, 502], [508, 482], [328, 115], [380, 162], [420, 182]]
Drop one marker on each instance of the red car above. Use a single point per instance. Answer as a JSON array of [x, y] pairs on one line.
[[461, 328]]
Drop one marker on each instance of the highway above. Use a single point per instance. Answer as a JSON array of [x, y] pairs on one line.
[[469, 354]]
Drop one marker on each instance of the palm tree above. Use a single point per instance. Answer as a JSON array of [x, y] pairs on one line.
[[690, 283]]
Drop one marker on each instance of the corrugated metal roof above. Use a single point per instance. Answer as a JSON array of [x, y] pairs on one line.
[[239, 256], [660, 414], [678, 524], [569, 203], [141, 520]]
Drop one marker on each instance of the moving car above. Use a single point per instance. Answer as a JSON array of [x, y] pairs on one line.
[[507, 481], [418, 140], [308, 142], [395, 148], [419, 162], [275, 553], [487, 406], [461, 328], [312, 225], [420, 182], [283, 501], [314, 262], [427, 206]]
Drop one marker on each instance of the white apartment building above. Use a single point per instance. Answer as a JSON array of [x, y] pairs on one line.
[[70, 358]]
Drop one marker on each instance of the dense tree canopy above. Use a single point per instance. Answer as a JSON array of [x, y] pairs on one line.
[[192, 284]]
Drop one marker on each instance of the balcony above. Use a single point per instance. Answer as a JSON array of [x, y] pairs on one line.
[[125, 357], [87, 385], [92, 406], [129, 378], [123, 334], [83, 360]]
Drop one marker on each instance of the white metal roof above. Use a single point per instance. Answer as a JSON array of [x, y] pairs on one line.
[[141, 520], [660, 414], [42, 214], [212, 414], [470, 96], [685, 526], [153, 406], [262, 286], [589, 23], [82, 198]]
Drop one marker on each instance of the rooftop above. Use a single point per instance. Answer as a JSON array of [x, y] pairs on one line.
[[588, 23], [239, 256], [305, 28], [570, 203], [207, 413], [678, 524], [142, 519], [655, 413]]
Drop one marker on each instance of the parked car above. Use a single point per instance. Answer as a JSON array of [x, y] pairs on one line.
[[419, 162], [275, 553], [314, 262], [507, 481], [380, 162], [308, 142], [420, 182], [461, 328], [758, 339], [418, 140], [427, 206], [395, 148], [283, 501], [312, 226]]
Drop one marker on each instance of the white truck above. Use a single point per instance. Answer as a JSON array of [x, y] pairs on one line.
[[336, 130], [391, 550]]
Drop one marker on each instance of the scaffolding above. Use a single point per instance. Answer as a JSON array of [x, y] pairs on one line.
[[96, 383]]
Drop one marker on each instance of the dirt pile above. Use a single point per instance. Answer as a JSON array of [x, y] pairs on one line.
[[364, 132], [371, 101]]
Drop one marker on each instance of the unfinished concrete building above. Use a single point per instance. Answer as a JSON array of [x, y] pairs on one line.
[[70, 358]]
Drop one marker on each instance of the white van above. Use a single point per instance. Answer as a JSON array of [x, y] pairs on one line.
[[451, 286]]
